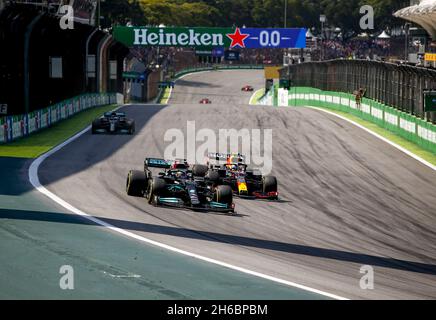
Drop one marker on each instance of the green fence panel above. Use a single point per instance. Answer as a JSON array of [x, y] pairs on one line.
[[403, 126], [390, 119], [411, 127], [414, 129], [424, 134], [432, 136], [317, 94], [378, 113], [335, 104], [414, 135], [345, 102]]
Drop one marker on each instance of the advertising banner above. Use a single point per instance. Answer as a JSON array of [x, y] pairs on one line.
[[209, 51], [431, 57], [54, 114], [273, 73], [3, 132], [231, 55], [75, 106], [13, 127], [44, 122], [430, 101], [63, 108], [250, 38], [17, 127], [3, 108], [9, 128], [70, 111], [32, 122], [283, 97]]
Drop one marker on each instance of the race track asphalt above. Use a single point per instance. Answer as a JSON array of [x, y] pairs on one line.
[[349, 199]]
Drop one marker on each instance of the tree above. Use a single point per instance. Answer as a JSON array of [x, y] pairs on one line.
[[251, 13], [121, 12], [383, 12], [343, 14]]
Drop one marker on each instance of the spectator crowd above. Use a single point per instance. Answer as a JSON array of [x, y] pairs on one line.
[[355, 49]]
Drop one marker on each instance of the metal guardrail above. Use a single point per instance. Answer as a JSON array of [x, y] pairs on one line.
[[218, 67], [399, 86]]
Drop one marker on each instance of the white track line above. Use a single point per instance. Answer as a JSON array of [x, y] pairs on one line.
[[196, 72], [185, 75], [252, 97], [34, 180], [414, 156]]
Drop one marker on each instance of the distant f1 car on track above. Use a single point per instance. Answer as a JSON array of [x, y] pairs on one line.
[[245, 182], [180, 186], [205, 101], [247, 88], [112, 122]]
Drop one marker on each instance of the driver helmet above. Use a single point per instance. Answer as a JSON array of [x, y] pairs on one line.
[[180, 174], [232, 167]]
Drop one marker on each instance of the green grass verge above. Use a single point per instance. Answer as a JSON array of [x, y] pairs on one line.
[[165, 97], [256, 96], [410, 146], [41, 142]]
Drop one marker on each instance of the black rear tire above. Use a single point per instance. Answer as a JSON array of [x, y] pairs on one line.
[[199, 170], [155, 188], [132, 128], [213, 176], [94, 126], [136, 183], [269, 184], [224, 194]]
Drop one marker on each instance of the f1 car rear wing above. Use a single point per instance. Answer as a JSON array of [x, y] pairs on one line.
[[116, 114], [157, 163], [231, 158]]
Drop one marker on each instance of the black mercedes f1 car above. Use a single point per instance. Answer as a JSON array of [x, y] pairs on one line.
[[113, 122], [180, 186]]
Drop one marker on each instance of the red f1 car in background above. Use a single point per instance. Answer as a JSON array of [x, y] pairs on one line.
[[205, 101], [247, 89]]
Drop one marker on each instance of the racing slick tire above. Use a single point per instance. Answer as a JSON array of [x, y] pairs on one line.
[[199, 170], [269, 184], [94, 127], [132, 127], [253, 173], [136, 183], [213, 176], [155, 188], [224, 194]]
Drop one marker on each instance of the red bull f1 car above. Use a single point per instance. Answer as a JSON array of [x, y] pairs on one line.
[[231, 170], [181, 186]]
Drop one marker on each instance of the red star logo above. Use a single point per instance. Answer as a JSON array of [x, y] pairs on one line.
[[237, 38]]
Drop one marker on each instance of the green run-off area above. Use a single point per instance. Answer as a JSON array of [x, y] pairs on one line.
[[40, 142]]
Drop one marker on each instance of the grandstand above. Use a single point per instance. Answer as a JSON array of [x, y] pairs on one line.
[[423, 14]]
